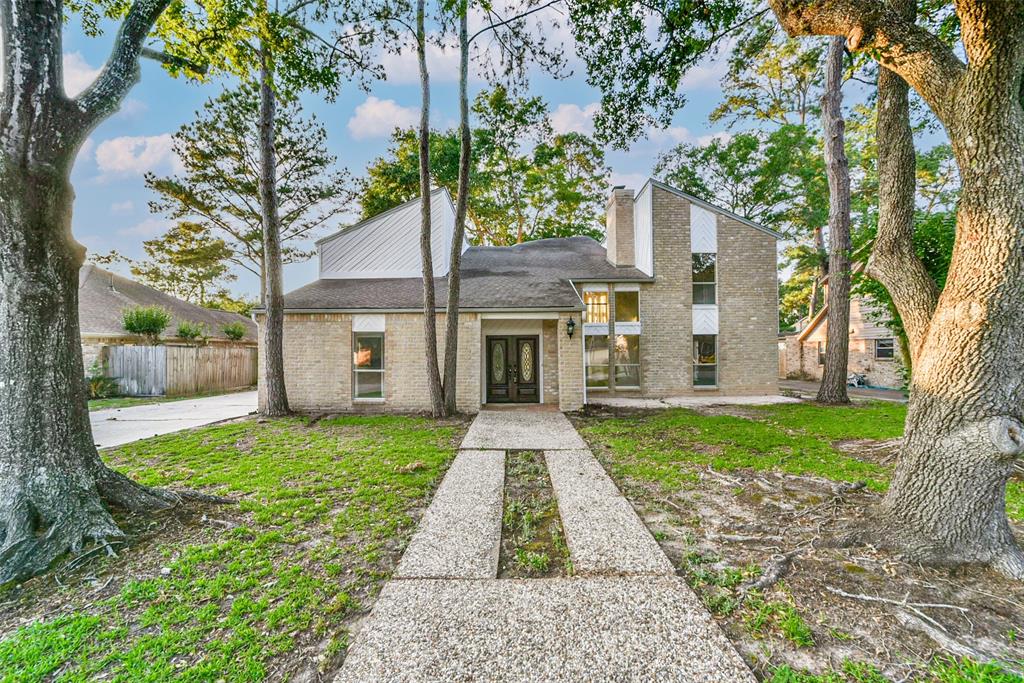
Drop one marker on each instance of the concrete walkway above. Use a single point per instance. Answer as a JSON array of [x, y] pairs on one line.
[[623, 616], [117, 426]]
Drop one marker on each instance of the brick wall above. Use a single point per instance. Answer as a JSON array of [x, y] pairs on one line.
[[570, 365], [550, 346], [748, 312], [619, 228], [318, 363], [879, 372]]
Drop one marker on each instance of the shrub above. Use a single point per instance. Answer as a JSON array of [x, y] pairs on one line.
[[147, 321], [100, 386], [191, 331], [234, 331]]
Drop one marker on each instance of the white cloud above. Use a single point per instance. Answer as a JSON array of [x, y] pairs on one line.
[[77, 73], [632, 181], [122, 207], [403, 67], [132, 108], [572, 118], [377, 118], [136, 154], [150, 227]]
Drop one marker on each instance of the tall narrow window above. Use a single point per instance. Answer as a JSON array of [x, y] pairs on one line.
[[627, 361], [821, 353], [368, 365], [596, 348], [596, 302], [704, 279], [705, 360], [627, 306]]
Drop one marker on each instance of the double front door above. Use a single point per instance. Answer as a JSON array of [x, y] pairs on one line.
[[512, 370]]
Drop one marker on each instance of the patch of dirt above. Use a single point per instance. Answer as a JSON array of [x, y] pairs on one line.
[[532, 540], [859, 603], [878, 452]]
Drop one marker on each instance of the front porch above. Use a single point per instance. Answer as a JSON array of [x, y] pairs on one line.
[[528, 358]]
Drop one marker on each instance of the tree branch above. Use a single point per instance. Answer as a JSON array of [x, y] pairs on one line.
[[171, 60], [506, 22], [918, 56], [121, 71]]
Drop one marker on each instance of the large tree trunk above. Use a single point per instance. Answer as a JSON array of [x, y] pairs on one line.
[[965, 422], [274, 395], [837, 347], [946, 503], [52, 482], [437, 403], [451, 336]]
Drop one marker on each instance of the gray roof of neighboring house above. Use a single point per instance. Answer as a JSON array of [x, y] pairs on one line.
[[103, 296], [533, 275]]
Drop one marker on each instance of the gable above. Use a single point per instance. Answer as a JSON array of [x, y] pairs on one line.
[[388, 245]]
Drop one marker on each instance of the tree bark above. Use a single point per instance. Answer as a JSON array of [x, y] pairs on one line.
[[437, 402], [837, 346], [274, 397], [965, 421], [451, 336], [893, 261], [53, 484]]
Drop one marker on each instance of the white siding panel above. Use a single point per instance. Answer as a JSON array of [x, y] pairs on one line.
[[389, 245], [705, 319], [703, 230], [372, 322], [643, 230]]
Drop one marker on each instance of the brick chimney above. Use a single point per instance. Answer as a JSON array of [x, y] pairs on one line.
[[619, 230]]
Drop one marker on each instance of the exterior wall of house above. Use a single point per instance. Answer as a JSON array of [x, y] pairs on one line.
[[800, 360], [747, 309], [549, 346], [318, 363], [570, 366]]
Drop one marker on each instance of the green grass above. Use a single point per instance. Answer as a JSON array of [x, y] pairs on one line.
[[125, 402], [947, 670], [131, 401], [668, 447], [323, 512]]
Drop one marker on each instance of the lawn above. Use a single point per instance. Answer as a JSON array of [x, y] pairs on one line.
[[728, 491], [125, 402], [264, 588]]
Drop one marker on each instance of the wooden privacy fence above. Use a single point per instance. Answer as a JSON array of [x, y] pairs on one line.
[[170, 370]]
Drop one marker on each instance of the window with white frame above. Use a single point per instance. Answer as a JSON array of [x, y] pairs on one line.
[[885, 349], [596, 302], [705, 360], [596, 357], [704, 279], [627, 361], [368, 365]]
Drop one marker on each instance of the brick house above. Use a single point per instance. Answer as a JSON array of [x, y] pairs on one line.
[[681, 299], [874, 348]]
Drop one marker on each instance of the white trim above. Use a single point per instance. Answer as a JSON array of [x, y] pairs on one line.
[[370, 274], [703, 230], [368, 322], [628, 328], [369, 400], [704, 319], [595, 287], [522, 315], [595, 328], [628, 287]]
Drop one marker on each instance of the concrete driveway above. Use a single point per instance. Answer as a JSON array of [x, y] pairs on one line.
[[810, 390], [117, 426]]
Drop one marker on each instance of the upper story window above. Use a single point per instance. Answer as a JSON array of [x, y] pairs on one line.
[[596, 302], [705, 283], [627, 306]]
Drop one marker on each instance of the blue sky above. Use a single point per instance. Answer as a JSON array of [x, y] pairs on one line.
[[111, 206]]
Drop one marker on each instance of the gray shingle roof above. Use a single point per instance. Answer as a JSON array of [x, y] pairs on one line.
[[103, 296], [531, 275]]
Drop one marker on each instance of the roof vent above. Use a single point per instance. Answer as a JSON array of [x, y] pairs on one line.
[[619, 187]]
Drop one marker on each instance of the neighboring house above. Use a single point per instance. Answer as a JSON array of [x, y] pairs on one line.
[[103, 297], [874, 348], [681, 299]]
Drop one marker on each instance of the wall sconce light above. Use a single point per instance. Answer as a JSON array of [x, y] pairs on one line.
[[570, 327]]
